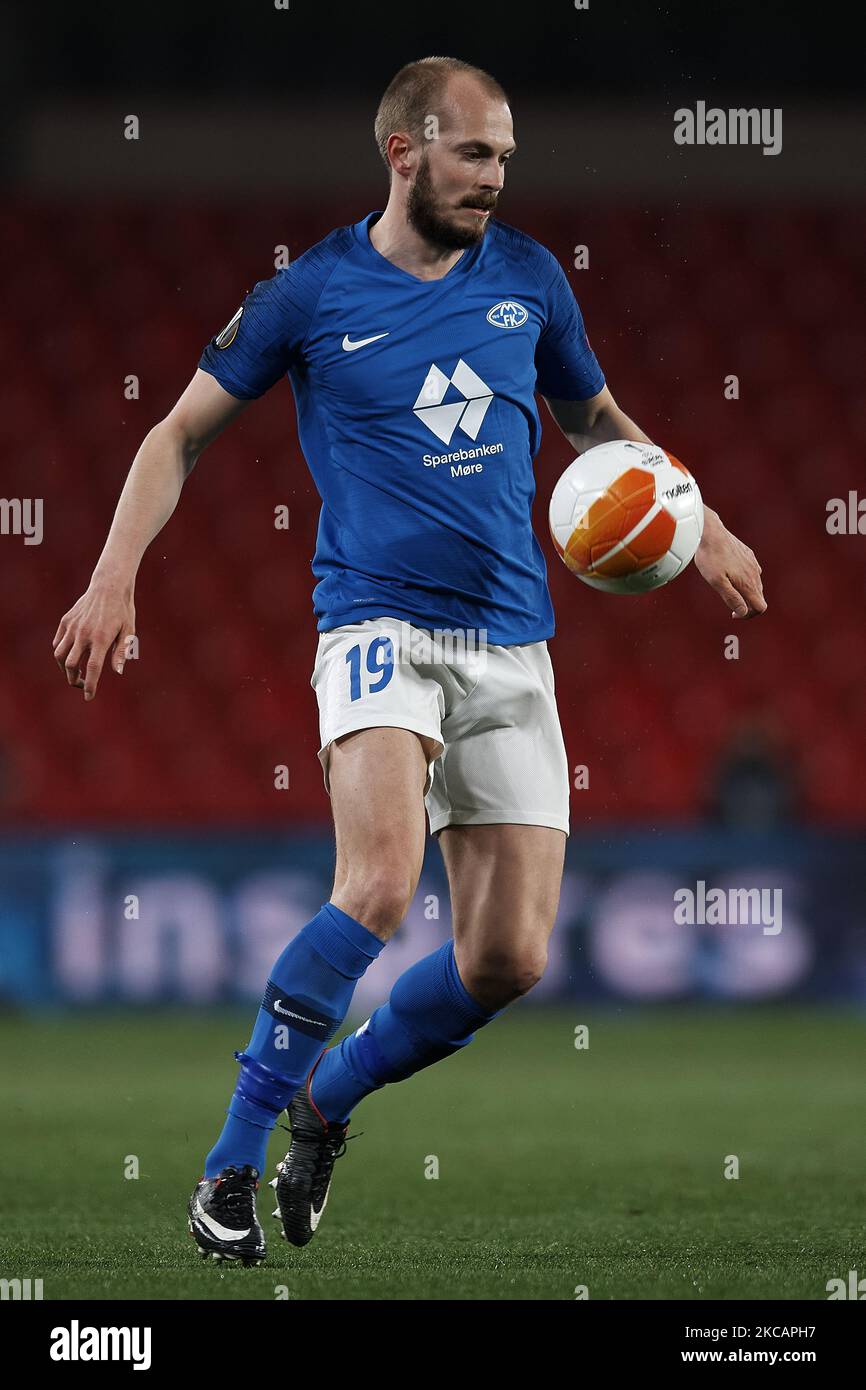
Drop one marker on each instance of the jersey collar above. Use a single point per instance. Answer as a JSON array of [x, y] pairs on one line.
[[362, 235]]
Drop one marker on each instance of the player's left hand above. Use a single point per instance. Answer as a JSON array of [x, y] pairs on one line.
[[730, 568]]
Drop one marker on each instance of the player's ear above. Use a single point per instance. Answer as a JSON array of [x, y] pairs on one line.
[[400, 155]]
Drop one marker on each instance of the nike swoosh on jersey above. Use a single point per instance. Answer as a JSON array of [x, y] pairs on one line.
[[349, 346], [221, 1232]]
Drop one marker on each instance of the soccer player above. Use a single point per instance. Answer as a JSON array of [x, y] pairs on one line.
[[415, 340]]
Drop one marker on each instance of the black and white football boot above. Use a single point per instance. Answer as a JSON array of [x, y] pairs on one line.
[[223, 1220], [304, 1175]]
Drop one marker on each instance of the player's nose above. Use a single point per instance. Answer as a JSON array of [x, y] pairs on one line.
[[492, 175]]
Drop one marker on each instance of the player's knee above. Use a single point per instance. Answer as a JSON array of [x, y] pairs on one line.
[[526, 969], [499, 978], [379, 897]]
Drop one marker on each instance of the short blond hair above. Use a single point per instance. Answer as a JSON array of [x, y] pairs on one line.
[[415, 93]]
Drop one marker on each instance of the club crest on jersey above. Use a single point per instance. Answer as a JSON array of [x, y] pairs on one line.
[[229, 333], [508, 314]]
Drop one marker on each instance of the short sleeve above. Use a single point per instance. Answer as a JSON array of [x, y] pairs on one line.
[[566, 365], [261, 341]]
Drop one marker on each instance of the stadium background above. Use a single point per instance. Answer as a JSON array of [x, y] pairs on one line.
[[147, 857]]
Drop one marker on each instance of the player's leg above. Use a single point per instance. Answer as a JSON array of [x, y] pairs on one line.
[[500, 800], [377, 779], [505, 883]]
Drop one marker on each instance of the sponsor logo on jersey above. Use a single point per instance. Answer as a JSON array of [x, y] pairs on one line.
[[443, 417], [508, 314], [462, 455]]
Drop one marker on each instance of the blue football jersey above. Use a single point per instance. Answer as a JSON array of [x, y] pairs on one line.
[[418, 420]]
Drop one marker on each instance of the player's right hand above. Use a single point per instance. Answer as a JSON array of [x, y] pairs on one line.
[[102, 620]]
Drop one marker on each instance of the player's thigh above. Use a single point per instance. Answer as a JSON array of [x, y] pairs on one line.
[[377, 779], [505, 883]]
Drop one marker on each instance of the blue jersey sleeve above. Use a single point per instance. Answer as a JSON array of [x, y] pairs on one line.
[[263, 339], [566, 366]]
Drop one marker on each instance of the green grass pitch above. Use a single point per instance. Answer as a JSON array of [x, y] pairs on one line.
[[557, 1167]]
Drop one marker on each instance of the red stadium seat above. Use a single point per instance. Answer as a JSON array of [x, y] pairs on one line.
[[221, 691]]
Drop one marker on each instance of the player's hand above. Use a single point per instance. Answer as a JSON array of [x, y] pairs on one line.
[[102, 621], [730, 568]]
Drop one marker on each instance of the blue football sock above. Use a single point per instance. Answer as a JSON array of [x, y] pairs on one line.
[[306, 999], [429, 1015]]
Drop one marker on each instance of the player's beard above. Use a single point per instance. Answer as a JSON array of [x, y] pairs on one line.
[[422, 213]]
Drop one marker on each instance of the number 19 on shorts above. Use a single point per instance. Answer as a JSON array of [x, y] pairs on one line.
[[378, 667]]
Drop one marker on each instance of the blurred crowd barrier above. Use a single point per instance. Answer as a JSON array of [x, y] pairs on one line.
[[199, 919]]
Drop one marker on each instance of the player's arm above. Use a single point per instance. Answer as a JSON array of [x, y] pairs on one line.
[[597, 420], [103, 619], [727, 565]]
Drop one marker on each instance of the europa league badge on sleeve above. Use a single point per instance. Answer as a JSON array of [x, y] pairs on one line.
[[229, 333]]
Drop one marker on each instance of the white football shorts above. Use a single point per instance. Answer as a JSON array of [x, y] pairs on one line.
[[499, 755]]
